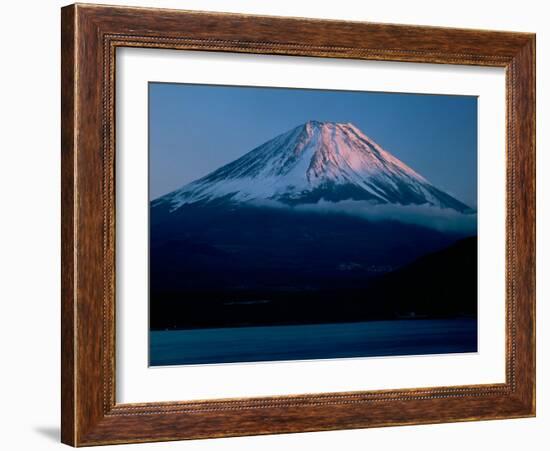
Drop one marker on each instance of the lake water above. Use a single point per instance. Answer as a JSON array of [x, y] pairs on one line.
[[317, 341]]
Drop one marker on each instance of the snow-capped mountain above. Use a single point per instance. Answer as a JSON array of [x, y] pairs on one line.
[[315, 161]]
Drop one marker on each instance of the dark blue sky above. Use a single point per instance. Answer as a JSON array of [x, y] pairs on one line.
[[194, 129]]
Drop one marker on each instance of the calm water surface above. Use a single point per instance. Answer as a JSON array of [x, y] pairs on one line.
[[318, 341]]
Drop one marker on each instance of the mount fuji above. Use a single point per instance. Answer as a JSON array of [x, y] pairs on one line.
[[309, 227], [316, 161]]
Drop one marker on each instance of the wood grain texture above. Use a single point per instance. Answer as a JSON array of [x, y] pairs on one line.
[[90, 36], [68, 313]]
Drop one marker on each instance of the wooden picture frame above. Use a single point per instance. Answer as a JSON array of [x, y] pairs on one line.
[[90, 412]]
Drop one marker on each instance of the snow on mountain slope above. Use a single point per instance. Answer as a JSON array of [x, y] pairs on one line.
[[315, 161]]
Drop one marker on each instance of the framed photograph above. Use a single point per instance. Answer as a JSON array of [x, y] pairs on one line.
[[279, 225]]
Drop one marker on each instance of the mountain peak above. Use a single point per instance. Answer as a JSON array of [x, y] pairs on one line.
[[317, 125], [314, 122], [318, 160]]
